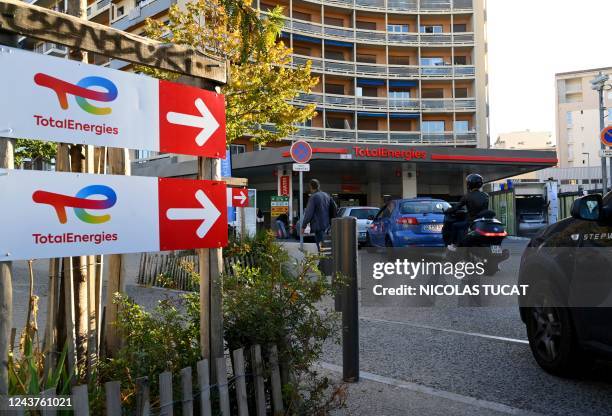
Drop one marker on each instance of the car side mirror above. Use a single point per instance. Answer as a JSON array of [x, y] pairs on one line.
[[588, 208]]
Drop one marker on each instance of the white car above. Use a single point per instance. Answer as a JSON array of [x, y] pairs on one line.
[[364, 216]]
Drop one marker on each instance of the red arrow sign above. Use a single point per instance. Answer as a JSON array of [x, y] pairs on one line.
[[237, 197], [192, 214], [191, 120]]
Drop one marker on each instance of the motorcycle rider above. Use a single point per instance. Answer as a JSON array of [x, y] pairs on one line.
[[475, 200]]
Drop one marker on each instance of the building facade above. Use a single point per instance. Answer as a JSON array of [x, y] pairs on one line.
[[526, 140], [390, 71], [577, 118]]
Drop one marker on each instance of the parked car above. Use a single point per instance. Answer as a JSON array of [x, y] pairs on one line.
[[409, 222], [531, 222], [568, 269], [364, 216]]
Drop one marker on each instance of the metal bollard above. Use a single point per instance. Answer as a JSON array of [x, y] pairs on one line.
[[344, 252]]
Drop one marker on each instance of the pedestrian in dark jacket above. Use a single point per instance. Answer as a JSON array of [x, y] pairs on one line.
[[317, 212]]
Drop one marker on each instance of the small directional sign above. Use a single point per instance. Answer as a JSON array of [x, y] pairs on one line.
[[606, 136], [301, 167], [605, 153], [237, 197], [51, 214], [54, 99]]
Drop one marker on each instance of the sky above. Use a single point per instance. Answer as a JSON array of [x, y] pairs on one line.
[[532, 40]]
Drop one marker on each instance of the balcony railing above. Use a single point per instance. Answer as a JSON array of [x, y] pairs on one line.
[[399, 137], [383, 70], [377, 36], [97, 7], [424, 6], [383, 103]]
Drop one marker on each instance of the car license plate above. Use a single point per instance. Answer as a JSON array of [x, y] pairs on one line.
[[496, 249], [434, 228]]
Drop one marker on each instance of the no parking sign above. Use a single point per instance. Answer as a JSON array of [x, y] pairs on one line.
[[606, 136]]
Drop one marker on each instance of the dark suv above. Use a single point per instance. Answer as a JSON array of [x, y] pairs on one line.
[[568, 307]]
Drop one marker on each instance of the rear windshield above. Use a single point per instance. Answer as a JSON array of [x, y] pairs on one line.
[[363, 213], [424, 207]]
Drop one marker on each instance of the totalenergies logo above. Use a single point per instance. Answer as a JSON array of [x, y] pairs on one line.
[[80, 203], [81, 92]]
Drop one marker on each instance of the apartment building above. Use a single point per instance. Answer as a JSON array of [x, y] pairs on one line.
[[390, 71], [577, 118]]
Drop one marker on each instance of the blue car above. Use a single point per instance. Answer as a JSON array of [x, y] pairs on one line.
[[415, 222]]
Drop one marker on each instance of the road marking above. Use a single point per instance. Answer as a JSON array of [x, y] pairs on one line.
[[452, 331], [419, 388]]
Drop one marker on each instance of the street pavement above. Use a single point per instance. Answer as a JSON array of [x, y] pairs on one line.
[[442, 360]]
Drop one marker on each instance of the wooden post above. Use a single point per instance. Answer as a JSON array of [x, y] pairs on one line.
[[204, 386], [165, 394], [6, 271], [240, 376], [143, 406], [48, 411], [119, 161], [258, 371], [113, 397], [80, 400], [186, 392], [277, 392], [224, 401], [50, 342]]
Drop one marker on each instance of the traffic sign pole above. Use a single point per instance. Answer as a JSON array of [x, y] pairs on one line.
[[301, 210], [301, 152], [604, 173]]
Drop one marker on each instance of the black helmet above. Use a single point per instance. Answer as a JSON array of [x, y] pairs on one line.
[[474, 181]]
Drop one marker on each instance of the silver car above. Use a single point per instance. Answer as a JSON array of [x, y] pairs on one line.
[[364, 216], [530, 223]]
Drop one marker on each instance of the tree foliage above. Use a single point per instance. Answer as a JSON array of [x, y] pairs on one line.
[[35, 150], [261, 82]]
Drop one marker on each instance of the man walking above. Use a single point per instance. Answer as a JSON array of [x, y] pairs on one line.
[[320, 209]]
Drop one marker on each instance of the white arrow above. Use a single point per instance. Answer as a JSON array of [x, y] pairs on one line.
[[230, 197], [209, 214], [206, 121]]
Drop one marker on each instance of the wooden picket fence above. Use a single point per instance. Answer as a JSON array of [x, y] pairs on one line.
[[191, 403], [174, 269]]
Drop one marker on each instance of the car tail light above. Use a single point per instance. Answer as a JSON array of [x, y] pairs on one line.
[[490, 234], [407, 221]]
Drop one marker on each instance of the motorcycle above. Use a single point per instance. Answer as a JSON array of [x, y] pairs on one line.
[[481, 242]]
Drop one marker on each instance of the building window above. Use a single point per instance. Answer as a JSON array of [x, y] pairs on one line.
[[236, 149], [399, 60], [431, 126], [459, 27], [460, 60], [301, 16], [367, 124], [334, 21], [569, 118], [399, 95], [366, 25], [432, 61], [302, 50], [431, 29], [336, 55], [365, 58], [367, 91], [334, 89], [432, 93], [337, 123], [462, 126], [398, 28], [461, 93]]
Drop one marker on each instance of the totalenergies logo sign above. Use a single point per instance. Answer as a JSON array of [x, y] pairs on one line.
[[81, 91], [387, 153], [80, 203]]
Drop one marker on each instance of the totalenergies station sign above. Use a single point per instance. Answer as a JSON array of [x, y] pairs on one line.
[[49, 214], [54, 99]]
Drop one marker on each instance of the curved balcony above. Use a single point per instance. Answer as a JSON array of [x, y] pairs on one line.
[[398, 137], [385, 71], [351, 102], [409, 6], [377, 36]]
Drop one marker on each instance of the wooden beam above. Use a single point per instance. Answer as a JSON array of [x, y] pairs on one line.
[[237, 182], [80, 34]]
